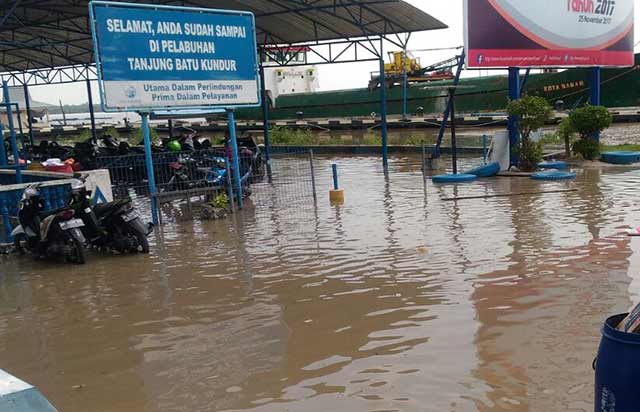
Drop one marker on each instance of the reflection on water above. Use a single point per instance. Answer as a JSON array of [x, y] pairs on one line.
[[398, 300]]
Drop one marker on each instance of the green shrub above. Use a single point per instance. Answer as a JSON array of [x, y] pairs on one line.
[[589, 120], [588, 148], [220, 201], [137, 135], [532, 112], [283, 136]]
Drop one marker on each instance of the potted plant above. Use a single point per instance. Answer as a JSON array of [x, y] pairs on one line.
[[532, 112]]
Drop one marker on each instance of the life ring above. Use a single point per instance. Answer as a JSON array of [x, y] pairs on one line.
[[553, 175], [451, 178], [558, 165], [489, 170], [620, 158]]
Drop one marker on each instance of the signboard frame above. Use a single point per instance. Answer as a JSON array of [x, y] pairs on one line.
[[546, 56], [99, 58]]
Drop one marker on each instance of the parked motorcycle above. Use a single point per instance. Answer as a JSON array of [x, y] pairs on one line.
[[51, 234], [189, 173], [115, 225]]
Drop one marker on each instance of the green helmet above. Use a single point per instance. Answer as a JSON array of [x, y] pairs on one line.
[[174, 146]]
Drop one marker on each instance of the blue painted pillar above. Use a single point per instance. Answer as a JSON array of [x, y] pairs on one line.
[[92, 115], [383, 109], [12, 131], [27, 101], [514, 94], [3, 152], [595, 79], [151, 177], [234, 154], [265, 124], [594, 84], [404, 85]]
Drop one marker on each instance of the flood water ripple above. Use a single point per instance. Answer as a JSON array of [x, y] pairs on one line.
[[398, 300]]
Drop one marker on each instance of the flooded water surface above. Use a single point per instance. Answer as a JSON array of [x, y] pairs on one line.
[[400, 300]]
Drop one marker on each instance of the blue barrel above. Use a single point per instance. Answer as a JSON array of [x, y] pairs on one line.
[[617, 369]]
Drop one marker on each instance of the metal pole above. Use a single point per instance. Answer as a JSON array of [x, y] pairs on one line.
[[484, 148], [265, 124], [443, 126], [313, 177], [12, 131], [170, 127], [383, 108], [146, 135], [404, 84], [92, 115], [230, 186], [595, 79], [454, 148], [27, 102], [3, 153], [424, 162], [514, 94], [334, 168], [234, 154]]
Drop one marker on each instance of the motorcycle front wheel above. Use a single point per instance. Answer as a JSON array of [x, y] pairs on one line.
[[76, 255], [137, 230], [20, 243]]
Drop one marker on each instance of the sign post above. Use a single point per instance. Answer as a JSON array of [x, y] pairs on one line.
[[153, 57]]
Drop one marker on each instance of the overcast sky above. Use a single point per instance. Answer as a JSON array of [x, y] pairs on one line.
[[339, 76]]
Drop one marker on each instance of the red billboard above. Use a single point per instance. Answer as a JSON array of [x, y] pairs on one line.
[[549, 33]]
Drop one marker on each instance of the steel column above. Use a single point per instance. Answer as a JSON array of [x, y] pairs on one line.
[[514, 94], [383, 109], [454, 146], [27, 102], [94, 136], [151, 177], [595, 78], [404, 85], [265, 123], [12, 131], [3, 152]]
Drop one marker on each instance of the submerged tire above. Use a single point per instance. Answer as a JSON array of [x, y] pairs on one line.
[[459, 178], [78, 256], [143, 243], [488, 170], [553, 175], [559, 165], [620, 158], [18, 241]]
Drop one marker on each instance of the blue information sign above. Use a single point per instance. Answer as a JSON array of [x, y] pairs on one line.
[[156, 57]]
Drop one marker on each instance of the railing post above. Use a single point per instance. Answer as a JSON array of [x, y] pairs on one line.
[[313, 177]]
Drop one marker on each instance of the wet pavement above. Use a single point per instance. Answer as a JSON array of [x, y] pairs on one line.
[[397, 301]]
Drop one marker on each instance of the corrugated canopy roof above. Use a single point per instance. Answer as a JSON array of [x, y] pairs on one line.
[[36, 34]]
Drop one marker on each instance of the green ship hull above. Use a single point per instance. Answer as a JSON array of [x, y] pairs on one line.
[[620, 88]]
